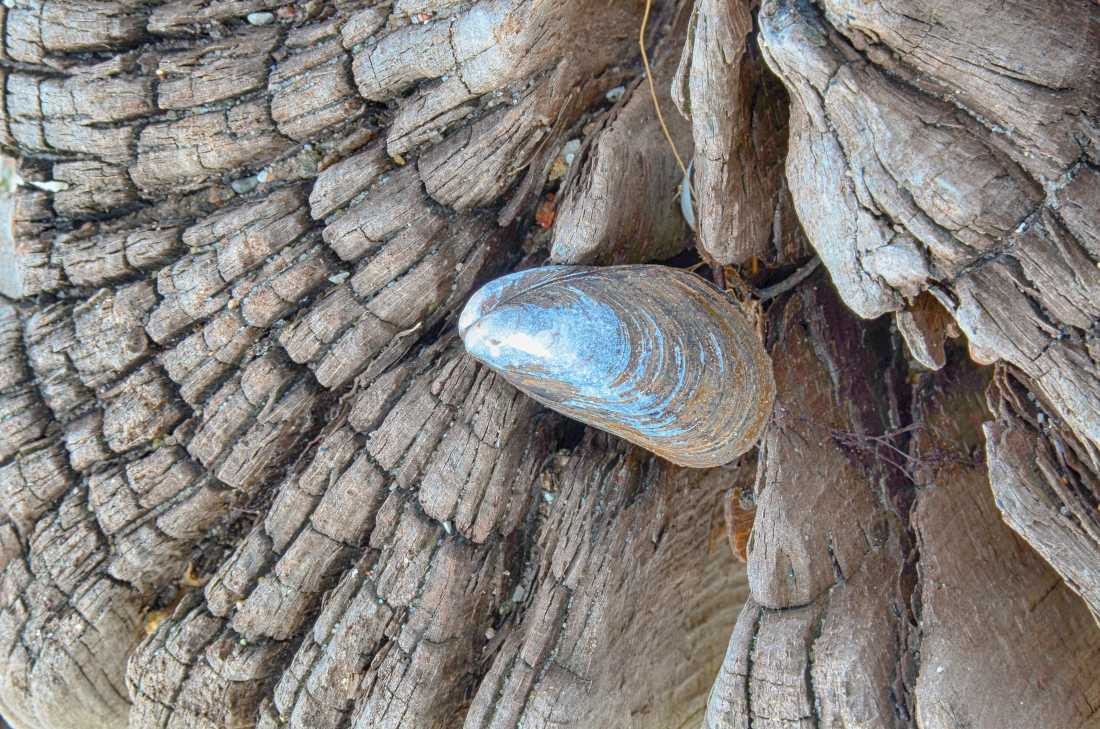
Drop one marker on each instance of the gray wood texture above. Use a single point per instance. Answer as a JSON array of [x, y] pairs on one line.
[[248, 478]]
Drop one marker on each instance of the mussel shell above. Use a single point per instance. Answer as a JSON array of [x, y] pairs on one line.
[[653, 354]]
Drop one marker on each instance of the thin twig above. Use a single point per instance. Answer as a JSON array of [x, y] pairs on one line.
[[653, 87], [884, 442], [790, 282]]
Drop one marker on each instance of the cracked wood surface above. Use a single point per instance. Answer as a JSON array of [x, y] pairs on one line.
[[886, 591], [249, 479], [911, 174]]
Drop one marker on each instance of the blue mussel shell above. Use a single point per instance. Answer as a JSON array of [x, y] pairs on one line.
[[653, 354]]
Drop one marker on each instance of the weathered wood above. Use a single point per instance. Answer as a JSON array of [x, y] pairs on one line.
[[738, 115], [877, 551], [821, 640], [618, 203], [1046, 484], [26, 226], [249, 479], [879, 126], [628, 542], [279, 574], [195, 150], [1023, 659], [311, 89], [215, 71], [237, 372]]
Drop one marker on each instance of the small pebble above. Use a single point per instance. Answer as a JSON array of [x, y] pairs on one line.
[[615, 94], [245, 184], [50, 185], [339, 277], [260, 18], [549, 496], [569, 150]]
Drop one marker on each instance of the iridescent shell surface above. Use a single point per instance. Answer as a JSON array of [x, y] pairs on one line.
[[653, 354]]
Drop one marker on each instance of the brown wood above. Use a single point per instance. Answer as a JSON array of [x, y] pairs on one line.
[[248, 477]]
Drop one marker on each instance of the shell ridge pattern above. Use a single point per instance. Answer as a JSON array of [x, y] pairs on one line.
[[652, 354]]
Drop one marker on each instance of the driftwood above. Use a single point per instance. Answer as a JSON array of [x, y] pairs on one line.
[[249, 477]]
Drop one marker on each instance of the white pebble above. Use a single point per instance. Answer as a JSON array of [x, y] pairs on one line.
[[615, 94], [245, 184], [569, 150], [50, 186], [260, 18]]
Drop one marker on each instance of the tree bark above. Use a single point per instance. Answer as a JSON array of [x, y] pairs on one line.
[[250, 479]]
